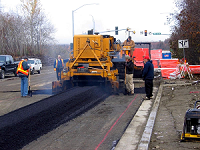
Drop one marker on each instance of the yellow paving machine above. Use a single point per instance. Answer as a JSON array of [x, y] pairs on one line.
[[191, 127], [95, 60]]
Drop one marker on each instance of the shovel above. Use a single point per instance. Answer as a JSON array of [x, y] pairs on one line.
[[29, 84]]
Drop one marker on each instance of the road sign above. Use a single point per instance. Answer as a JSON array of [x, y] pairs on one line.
[[157, 33], [183, 44]]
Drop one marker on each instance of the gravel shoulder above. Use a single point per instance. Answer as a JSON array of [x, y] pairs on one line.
[[177, 98]]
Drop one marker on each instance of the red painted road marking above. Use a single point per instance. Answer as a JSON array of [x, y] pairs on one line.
[[194, 92], [115, 123]]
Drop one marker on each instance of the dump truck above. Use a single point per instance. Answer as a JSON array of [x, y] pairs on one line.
[[95, 60]]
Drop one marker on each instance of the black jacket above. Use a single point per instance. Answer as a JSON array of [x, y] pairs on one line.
[[148, 71], [129, 67]]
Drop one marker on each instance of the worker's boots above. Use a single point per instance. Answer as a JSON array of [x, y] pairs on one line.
[[126, 92]]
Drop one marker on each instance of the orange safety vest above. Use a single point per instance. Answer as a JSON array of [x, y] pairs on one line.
[[20, 68], [57, 63]]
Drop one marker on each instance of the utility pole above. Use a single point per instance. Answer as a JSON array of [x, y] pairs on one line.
[[93, 23], [73, 16]]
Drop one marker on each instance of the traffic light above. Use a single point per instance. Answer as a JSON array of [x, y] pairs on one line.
[[116, 30], [145, 32]]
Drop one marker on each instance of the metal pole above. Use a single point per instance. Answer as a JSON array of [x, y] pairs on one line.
[[128, 33], [93, 24], [184, 54], [72, 25], [73, 16]]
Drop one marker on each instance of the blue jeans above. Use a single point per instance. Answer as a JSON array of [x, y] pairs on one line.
[[24, 86]]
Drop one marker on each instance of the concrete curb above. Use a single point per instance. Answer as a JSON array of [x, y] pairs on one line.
[[145, 140]]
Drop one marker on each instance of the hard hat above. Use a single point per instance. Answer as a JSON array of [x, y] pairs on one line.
[[146, 57], [127, 57]]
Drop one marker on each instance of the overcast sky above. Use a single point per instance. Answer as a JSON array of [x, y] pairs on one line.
[[103, 15]]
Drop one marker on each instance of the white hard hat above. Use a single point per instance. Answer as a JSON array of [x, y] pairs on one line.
[[127, 57]]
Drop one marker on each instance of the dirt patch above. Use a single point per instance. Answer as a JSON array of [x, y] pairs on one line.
[[175, 101]]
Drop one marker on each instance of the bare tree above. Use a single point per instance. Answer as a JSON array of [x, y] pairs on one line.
[[10, 30], [38, 28], [26, 34], [187, 27]]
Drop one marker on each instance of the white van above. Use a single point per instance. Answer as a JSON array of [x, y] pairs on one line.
[[36, 65], [40, 64]]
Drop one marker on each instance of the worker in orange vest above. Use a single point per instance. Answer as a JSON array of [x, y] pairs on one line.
[[23, 73], [58, 67], [131, 43]]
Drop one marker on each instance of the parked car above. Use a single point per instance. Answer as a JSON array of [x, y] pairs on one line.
[[36, 65], [7, 66]]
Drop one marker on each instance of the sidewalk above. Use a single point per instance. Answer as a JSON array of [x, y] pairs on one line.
[[131, 138]]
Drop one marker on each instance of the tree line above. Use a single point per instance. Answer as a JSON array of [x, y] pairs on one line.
[[187, 26], [164, 45], [27, 32]]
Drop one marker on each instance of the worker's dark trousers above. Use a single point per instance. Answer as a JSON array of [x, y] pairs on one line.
[[148, 88], [58, 72]]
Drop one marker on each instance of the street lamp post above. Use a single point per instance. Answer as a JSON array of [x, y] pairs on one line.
[[73, 16], [93, 23]]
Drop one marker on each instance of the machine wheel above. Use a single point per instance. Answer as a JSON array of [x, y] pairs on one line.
[[183, 140], [32, 72], [115, 91], [38, 71], [2, 74], [107, 86]]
